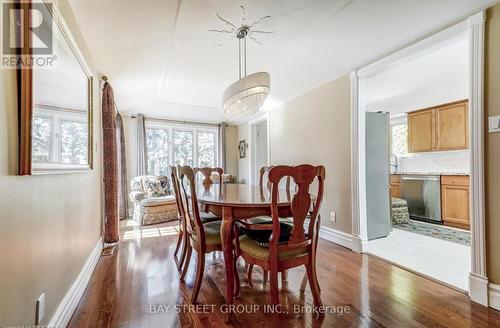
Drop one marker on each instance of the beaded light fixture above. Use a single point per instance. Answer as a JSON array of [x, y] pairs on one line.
[[245, 97]]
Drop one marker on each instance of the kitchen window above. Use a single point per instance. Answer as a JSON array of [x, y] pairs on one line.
[[175, 144], [399, 140]]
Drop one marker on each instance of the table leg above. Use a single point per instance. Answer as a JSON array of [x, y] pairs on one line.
[[226, 231]]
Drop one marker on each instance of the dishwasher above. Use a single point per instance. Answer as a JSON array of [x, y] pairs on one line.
[[423, 195]]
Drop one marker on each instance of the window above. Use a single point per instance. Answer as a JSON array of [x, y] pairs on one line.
[[171, 144], [42, 130], [183, 147], [158, 151], [73, 142], [60, 136], [399, 139], [206, 149]]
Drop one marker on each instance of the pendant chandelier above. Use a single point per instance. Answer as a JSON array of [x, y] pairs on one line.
[[245, 97]]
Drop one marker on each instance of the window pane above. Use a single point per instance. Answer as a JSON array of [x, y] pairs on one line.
[[74, 142], [42, 128], [399, 139], [183, 147], [206, 149], [157, 147]]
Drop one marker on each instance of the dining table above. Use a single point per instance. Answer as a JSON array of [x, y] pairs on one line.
[[238, 202]]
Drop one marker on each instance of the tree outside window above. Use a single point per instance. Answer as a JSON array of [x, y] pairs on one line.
[[183, 147], [158, 151], [73, 142], [206, 149], [399, 138], [180, 145], [42, 130]]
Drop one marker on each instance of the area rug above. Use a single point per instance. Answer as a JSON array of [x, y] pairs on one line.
[[436, 231]]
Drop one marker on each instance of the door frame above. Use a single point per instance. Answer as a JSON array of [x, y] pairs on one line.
[[474, 27], [251, 149]]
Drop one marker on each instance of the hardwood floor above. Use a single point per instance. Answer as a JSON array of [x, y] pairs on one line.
[[138, 286]]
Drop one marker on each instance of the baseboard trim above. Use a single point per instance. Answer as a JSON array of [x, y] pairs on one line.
[[494, 296], [478, 289], [70, 301], [357, 244], [336, 236]]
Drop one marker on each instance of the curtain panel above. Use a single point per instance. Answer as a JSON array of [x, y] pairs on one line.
[[142, 150], [222, 145], [110, 167], [122, 169]]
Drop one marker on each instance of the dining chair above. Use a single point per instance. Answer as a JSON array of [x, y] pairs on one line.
[[207, 173], [181, 239], [264, 175], [205, 237], [278, 255]]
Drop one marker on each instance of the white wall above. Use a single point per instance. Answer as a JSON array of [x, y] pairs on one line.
[[315, 128], [49, 224], [433, 78]]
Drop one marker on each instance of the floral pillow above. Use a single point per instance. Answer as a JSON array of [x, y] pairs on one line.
[[155, 187]]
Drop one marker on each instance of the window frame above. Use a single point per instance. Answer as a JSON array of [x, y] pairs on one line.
[[397, 122], [194, 129], [57, 115]]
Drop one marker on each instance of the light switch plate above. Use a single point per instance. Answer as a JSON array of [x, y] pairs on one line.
[[494, 124]]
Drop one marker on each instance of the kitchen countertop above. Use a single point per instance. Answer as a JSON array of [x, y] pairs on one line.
[[432, 173]]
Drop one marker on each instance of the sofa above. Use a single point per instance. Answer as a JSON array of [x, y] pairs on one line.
[[153, 199]]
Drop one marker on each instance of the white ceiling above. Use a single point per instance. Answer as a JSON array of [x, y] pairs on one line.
[[436, 77], [163, 62]]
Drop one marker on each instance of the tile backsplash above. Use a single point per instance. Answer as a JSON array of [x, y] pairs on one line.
[[440, 161]]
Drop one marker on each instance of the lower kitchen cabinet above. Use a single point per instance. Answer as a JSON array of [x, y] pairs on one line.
[[395, 185], [455, 193]]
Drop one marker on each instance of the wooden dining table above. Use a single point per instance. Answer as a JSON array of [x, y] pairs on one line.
[[238, 202]]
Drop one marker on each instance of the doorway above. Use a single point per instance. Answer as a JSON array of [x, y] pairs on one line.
[[259, 147], [473, 29]]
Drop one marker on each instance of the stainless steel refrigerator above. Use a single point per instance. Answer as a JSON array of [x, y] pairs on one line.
[[378, 210]]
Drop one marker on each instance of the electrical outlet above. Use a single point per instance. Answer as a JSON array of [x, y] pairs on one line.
[[333, 216], [40, 309]]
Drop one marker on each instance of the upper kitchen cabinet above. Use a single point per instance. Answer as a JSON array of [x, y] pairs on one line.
[[421, 136], [452, 126], [439, 128]]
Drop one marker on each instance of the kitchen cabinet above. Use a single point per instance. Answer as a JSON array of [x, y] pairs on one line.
[[455, 193], [452, 126], [395, 185], [421, 135], [439, 128]]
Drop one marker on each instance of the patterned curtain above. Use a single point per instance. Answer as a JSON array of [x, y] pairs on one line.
[[222, 145], [142, 152], [110, 169], [122, 171]]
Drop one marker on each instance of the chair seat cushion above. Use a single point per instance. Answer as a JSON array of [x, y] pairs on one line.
[[398, 202], [158, 201], [208, 217], [212, 233], [262, 236], [252, 248]]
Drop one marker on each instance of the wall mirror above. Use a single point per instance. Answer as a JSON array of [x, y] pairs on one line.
[[58, 107]]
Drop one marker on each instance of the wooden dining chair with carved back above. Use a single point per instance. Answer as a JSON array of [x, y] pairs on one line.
[[205, 237], [182, 237], [207, 173], [278, 255], [265, 184]]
